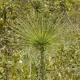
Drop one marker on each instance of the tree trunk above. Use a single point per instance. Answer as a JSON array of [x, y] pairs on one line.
[[4, 14], [42, 66]]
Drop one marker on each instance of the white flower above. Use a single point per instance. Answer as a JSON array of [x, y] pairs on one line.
[[59, 74], [1, 19], [20, 61]]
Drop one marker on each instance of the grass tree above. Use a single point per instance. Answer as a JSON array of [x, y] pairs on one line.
[[37, 31]]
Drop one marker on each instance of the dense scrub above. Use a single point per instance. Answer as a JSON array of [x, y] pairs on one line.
[[29, 28]]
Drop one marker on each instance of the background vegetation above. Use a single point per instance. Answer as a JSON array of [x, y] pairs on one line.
[[19, 59]]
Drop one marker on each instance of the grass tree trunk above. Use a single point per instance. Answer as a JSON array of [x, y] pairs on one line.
[[42, 67]]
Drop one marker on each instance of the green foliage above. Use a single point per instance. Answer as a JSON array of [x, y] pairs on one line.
[[65, 64], [36, 31]]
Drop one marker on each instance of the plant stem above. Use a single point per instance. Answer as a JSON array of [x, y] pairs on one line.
[[30, 70]]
